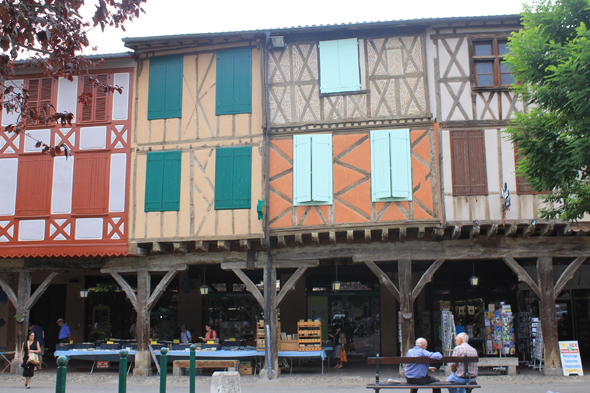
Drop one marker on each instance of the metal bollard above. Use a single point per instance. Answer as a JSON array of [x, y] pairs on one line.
[[60, 382], [123, 371], [192, 368], [163, 369]]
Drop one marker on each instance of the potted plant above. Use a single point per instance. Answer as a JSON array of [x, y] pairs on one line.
[[19, 318]]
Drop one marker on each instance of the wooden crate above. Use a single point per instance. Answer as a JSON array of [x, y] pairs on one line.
[[309, 335], [289, 345]]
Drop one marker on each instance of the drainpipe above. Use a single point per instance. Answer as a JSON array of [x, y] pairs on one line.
[[268, 285]]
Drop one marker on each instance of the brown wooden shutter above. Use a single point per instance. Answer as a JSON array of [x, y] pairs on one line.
[[522, 185], [40, 93], [100, 100], [90, 193], [97, 109], [33, 195], [86, 113], [468, 163]]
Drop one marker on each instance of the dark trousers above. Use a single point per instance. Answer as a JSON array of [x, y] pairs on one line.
[[64, 340], [422, 381]]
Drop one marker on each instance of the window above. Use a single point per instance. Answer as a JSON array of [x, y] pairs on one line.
[[487, 63], [40, 94], [97, 109], [339, 66], [165, 89], [468, 157], [233, 176], [34, 185], [312, 169], [234, 82], [90, 191], [522, 185], [391, 170], [162, 181]]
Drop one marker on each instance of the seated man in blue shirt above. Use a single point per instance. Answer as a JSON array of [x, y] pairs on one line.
[[417, 374]]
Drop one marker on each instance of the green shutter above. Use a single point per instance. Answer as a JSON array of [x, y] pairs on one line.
[[321, 168], [401, 169], [233, 92], [301, 169], [153, 182], [339, 66], [224, 170], [242, 178], [380, 165], [165, 88], [171, 189]]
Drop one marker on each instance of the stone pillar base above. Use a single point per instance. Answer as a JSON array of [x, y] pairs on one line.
[[15, 367], [265, 375], [553, 371], [226, 382], [142, 372], [143, 363]]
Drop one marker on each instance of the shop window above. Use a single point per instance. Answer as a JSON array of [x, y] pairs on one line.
[[234, 82], [90, 190], [339, 66], [468, 158], [233, 177], [312, 169], [40, 95], [165, 88], [391, 171], [34, 185], [488, 69], [97, 108], [162, 183]]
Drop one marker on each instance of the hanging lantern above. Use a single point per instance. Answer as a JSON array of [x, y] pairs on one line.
[[336, 285], [474, 281], [84, 293]]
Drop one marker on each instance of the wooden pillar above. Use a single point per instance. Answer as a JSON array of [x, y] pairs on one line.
[[406, 304], [548, 316], [271, 367], [22, 328], [143, 318]]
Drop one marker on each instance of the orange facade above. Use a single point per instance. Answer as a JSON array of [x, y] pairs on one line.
[[352, 185]]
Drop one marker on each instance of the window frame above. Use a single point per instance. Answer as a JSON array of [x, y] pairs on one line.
[[232, 179], [466, 164], [230, 83], [377, 163], [358, 89], [52, 100], [108, 100], [316, 161], [92, 189], [495, 58], [172, 86], [43, 181], [522, 185], [167, 182]]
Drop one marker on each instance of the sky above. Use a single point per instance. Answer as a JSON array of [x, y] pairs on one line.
[[169, 17]]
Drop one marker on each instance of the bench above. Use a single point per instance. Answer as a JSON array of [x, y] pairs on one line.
[[179, 365], [377, 386]]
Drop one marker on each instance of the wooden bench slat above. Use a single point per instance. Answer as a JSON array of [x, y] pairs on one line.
[[421, 360], [206, 363]]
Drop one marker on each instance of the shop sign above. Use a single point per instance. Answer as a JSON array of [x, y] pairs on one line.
[[571, 363]]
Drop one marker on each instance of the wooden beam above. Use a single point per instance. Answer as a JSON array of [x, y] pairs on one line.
[[421, 232], [426, 278], [383, 279], [523, 276], [290, 284], [350, 237], [367, 236], [289, 263], [404, 267], [126, 288], [332, 236], [474, 231], [512, 228], [9, 292], [40, 290], [234, 265], [136, 250], [299, 239], [548, 313], [245, 244], [315, 238], [224, 245], [180, 247], [568, 274], [385, 235], [165, 262], [281, 241], [530, 229], [547, 229], [492, 230], [402, 234], [159, 290], [250, 286], [456, 233], [160, 248], [142, 323], [438, 234], [202, 246]]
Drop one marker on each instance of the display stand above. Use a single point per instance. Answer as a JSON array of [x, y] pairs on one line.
[[524, 338], [309, 334], [538, 354], [448, 332], [260, 344]]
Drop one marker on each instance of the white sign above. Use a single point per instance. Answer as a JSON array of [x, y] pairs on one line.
[[569, 353]]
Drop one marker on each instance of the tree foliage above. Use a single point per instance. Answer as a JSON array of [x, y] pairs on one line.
[[51, 35], [550, 57]]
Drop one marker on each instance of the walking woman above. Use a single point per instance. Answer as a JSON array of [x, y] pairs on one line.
[[339, 340], [30, 346]]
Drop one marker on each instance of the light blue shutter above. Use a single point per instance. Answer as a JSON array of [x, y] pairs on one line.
[[242, 177], [380, 165], [171, 188], [157, 88], [301, 169], [224, 171], [173, 95], [321, 168], [401, 170], [153, 181], [348, 52], [329, 67]]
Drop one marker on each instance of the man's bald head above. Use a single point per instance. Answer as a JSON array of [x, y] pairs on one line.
[[422, 343]]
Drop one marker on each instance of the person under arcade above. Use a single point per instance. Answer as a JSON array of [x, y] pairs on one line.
[[211, 334]]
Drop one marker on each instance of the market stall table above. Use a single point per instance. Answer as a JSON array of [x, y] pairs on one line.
[[96, 355], [304, 354], [7, 362]]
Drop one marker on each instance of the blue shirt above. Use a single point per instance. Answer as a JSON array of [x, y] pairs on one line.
[[64, 332], [38, 330], [415, 370]]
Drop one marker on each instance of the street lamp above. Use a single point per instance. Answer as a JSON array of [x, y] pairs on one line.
[[204, 288]]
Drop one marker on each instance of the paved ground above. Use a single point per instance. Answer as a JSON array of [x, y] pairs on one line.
[[306, 378]]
